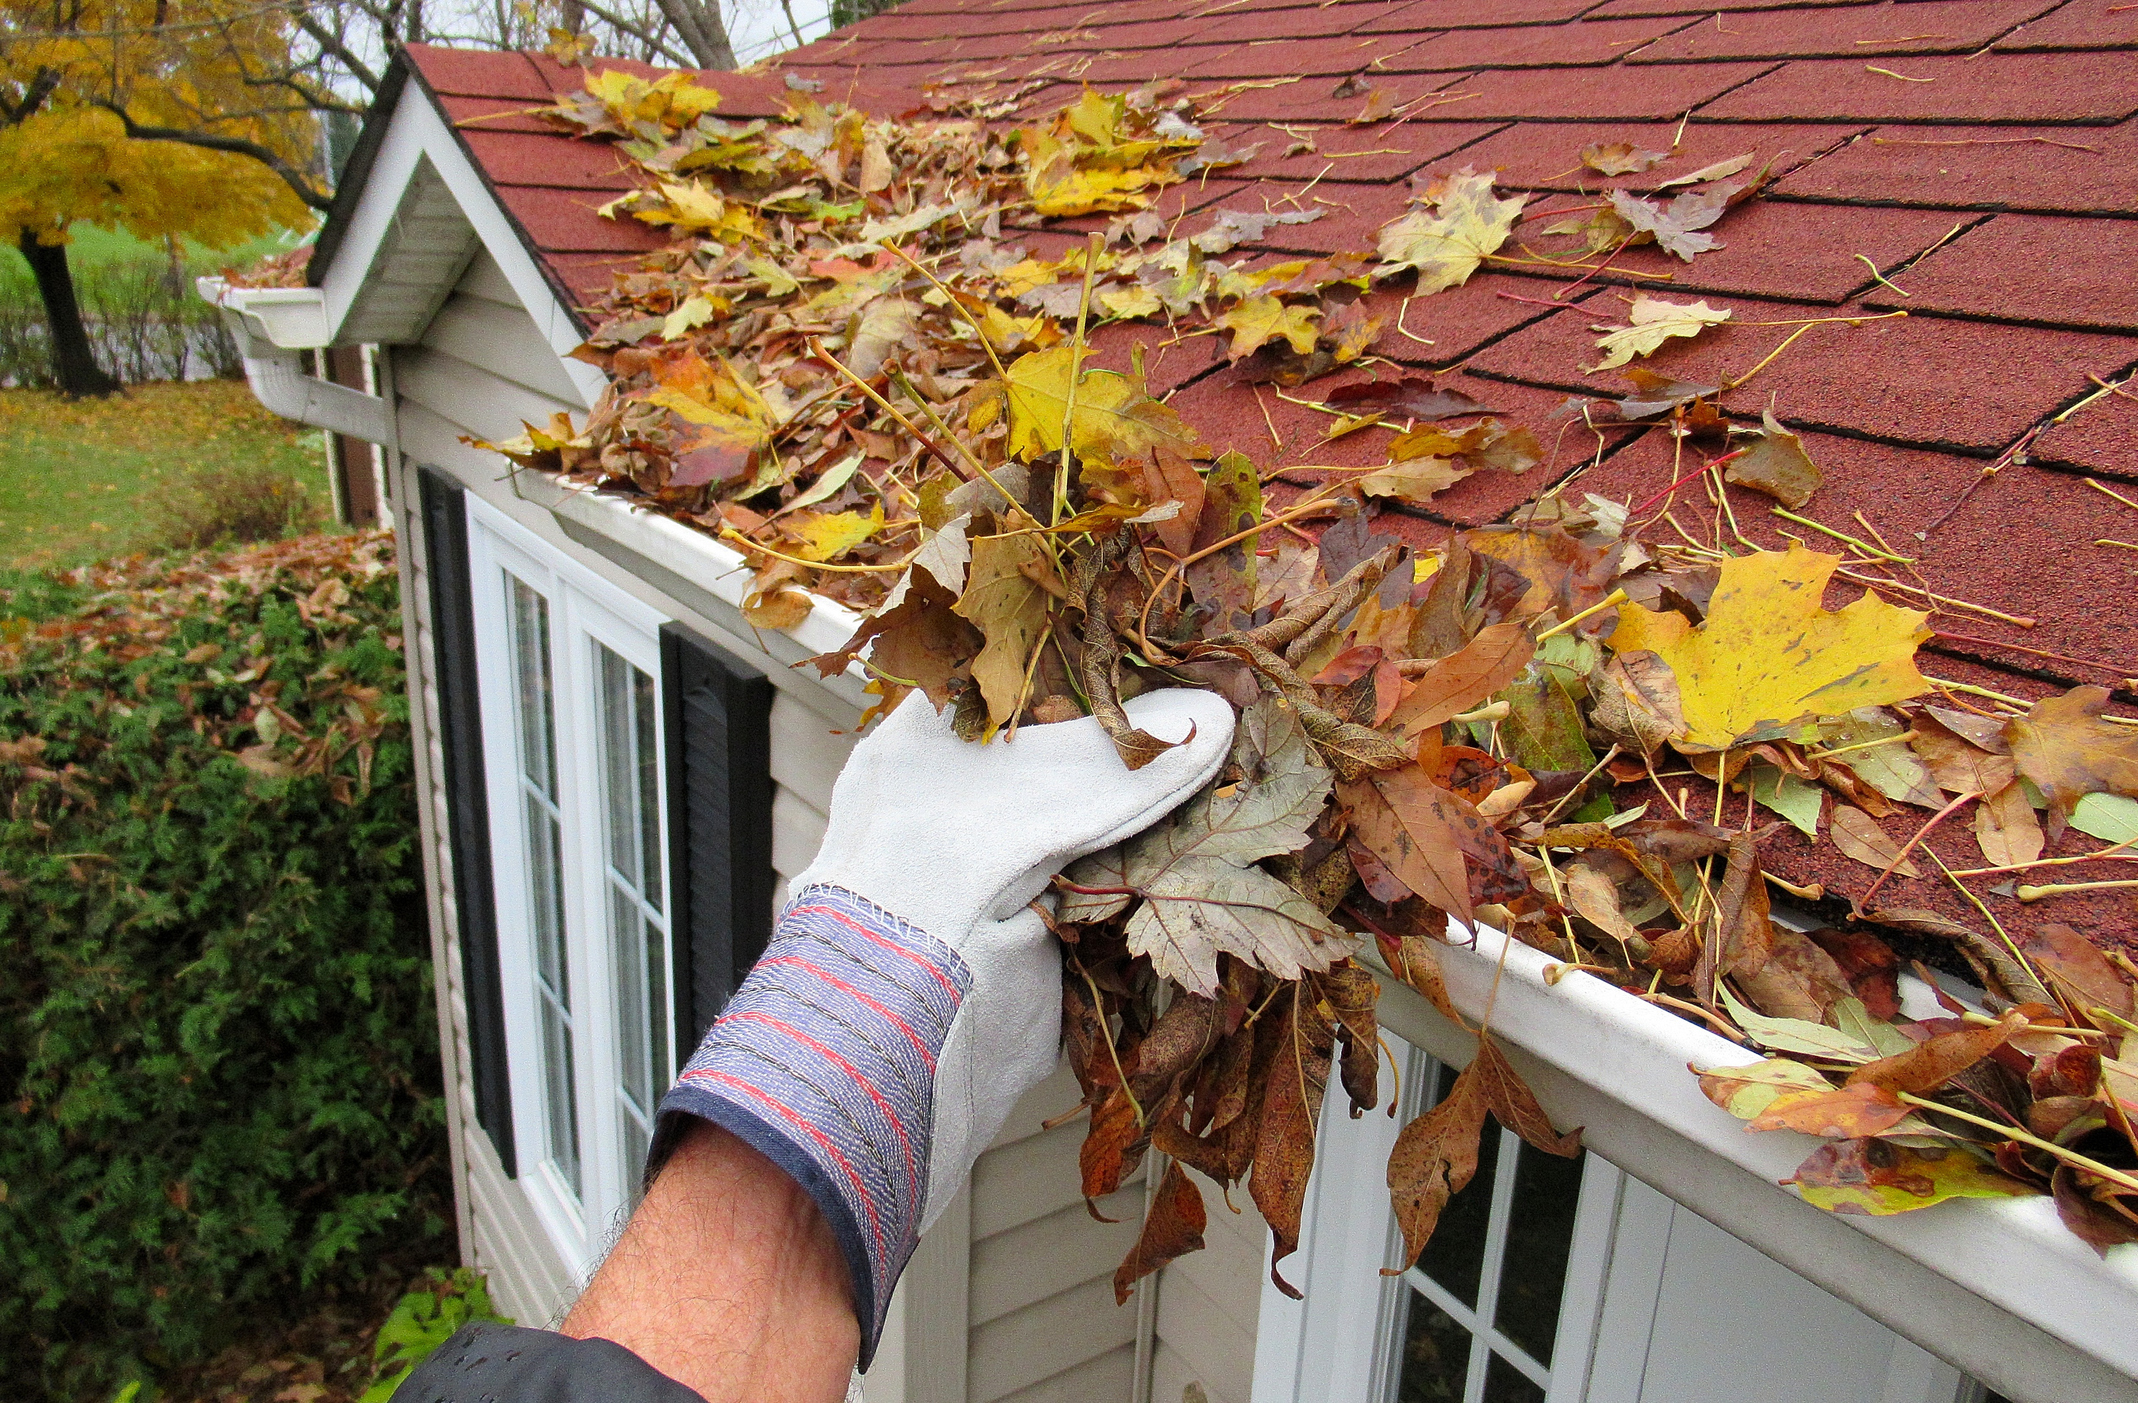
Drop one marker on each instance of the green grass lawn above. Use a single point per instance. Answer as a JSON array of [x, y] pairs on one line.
[[94, 478]]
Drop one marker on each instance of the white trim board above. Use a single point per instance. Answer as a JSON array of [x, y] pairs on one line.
[[1998, 1288], [417, 133]]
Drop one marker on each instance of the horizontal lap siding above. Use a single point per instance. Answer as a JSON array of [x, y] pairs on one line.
[[1041, 1305], [1208, 1303]]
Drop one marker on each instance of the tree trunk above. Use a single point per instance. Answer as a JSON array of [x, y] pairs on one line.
[[697, 23], [73, 363]]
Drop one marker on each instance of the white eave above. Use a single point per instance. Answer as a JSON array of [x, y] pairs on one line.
[[1999, 1287]]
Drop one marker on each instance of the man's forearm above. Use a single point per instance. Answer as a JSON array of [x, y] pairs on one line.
[[728, 1281]]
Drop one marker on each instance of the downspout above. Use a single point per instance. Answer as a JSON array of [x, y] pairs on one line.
[[271, 326]]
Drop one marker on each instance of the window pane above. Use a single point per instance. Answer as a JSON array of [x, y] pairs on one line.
[[1455, 1254], [634, 1048], [629, 745], [536, 728], [530, 649], [1436, 1355], [646, 742], [562, 1099], [1540, 1232], [1506, 1384]]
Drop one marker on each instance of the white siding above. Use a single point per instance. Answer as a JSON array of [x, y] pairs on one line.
[[1208, 1302]]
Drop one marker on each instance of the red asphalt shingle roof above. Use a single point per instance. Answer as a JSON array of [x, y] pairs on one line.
[[1978, 156]]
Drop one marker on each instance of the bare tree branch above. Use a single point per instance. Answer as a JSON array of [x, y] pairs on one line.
[[210, 141], [650, 40], [33, 97], [697, 24], [331, 43]]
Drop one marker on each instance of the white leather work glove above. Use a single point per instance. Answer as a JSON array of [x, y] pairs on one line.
[[909, 995]]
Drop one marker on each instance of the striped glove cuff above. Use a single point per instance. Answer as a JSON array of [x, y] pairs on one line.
[[824, 1062]]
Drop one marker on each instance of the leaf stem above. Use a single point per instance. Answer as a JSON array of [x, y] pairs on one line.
[[1902, 856], [1866, 547], [1314, 501], [732, 534], [1077, 351], [1098, 1006], [2027, 893], [1610, 601], [2013, 1132]]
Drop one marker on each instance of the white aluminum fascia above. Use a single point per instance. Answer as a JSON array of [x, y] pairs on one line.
[[2011, 1254]]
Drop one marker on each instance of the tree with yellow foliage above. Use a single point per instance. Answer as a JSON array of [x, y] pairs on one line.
[[137, 115]]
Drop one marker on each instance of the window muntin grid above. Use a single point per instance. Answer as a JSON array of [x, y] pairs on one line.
[[1483, 1303], [542, 820]]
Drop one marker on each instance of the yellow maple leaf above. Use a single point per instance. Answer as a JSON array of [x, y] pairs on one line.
[[672, 100], [1654, 321], [830, 535], [1114, 416], [1261, 319], [1466, 224], [1769, 656], [694, 209], [1082, 160]]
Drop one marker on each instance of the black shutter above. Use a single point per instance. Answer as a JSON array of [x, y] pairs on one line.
[[445, 529], [717, 720]]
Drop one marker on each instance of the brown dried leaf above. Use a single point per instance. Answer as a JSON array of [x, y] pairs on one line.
[[2006, 828], [1858, 836], [2076, 970], [1410, 823], [1956, 763], [1435, 1158], [1173, 1228], [1621, 158], [1931, 1064], [1777, 465], [2069, 752], [1514, 1105], [1291, 1105], [1462, 682]]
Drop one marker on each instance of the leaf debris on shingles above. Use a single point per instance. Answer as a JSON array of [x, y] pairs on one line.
[[1420, 738]]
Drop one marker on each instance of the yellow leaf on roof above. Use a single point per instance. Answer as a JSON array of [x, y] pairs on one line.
[[1769, 655], [1654, 321], [1466, 224], [693, 209], [1261, 319], [672, 100], [1114, 416]]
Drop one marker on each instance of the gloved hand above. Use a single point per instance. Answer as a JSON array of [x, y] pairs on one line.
[[909, 995]]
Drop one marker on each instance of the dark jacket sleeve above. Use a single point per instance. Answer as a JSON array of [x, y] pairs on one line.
[[506, 1364]]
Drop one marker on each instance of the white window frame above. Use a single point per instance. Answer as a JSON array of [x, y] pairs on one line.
[[584, 610], [1343, 1342]]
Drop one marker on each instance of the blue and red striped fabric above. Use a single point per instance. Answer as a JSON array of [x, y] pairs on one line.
[[824, 1062]]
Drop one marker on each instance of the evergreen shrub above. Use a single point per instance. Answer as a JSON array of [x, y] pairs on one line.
[[218, 1056]]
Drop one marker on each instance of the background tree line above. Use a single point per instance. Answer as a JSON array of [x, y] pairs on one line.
[[221, 121]]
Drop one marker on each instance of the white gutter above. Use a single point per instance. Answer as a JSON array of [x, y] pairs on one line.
[[689, 566], [1997, 1287], [271, 326]]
